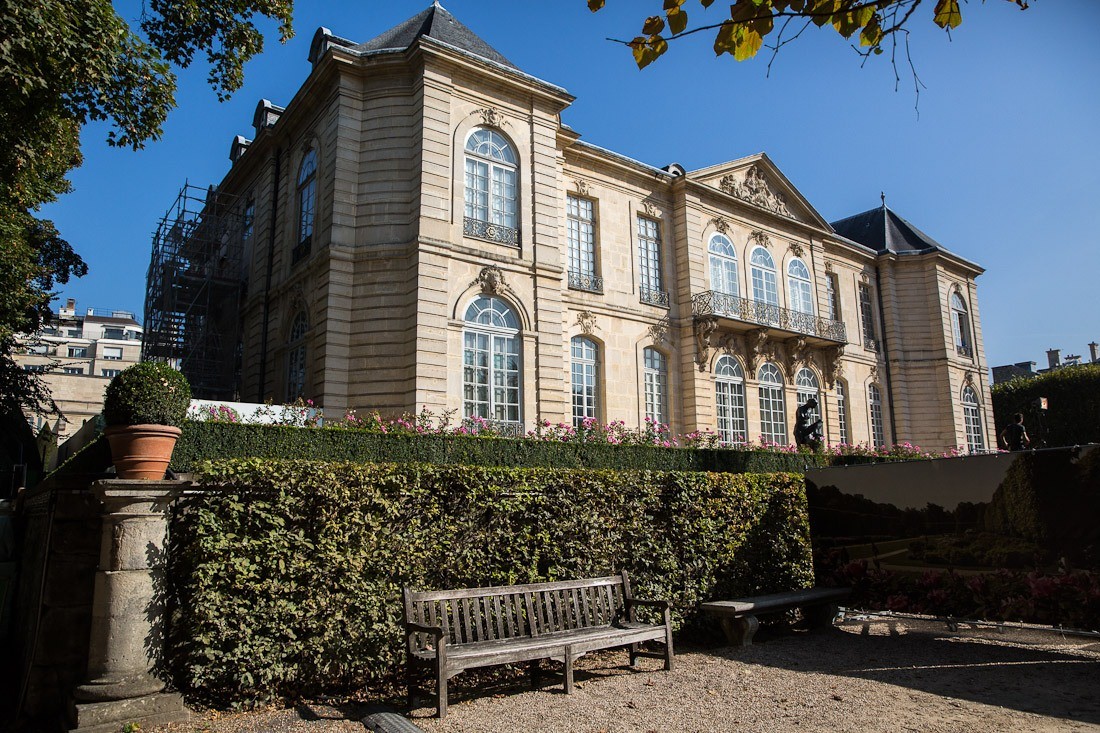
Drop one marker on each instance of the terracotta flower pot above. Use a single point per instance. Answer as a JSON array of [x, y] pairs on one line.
[[141, 451]]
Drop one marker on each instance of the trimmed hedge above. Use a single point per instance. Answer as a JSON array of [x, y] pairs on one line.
[[210, 440], [286, 575], [1073, 405]]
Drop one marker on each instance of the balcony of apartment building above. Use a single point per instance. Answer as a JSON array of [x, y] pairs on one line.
[[733, 313]]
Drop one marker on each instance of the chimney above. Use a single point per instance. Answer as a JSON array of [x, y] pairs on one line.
[[1054, 357], [1092, 352], [70, 303]]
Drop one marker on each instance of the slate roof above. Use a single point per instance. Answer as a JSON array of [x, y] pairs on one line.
[[437, 23], [884, 231]]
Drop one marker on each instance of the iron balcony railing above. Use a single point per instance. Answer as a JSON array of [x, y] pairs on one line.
[[581, 281], [492, 232], [964, 350], [653, 297], [714, 303]]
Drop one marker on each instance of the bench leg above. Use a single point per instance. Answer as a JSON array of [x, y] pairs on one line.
[[821, 616], [668, 650], [739, 631], [534, 673], [441, 692], [410, 677], [568, 671], [634, 648]]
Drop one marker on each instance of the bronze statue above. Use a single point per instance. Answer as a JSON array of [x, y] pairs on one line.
[[807, 429]]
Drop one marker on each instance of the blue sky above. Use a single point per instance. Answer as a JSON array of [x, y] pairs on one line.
[[1001, 165]]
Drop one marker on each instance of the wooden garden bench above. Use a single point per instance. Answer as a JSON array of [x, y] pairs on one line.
[[738, 617], [449, 631]]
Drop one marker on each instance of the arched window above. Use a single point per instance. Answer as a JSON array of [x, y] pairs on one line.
[[842, 411], [586, 380], [491, 370], [874, 403], [806, 384], [723, 265], [798, 287], [296, 357], [972, 419], [960, 323], [655, 374], [729, 391], [773, 409], [762, 268], [491, 174], [307, 203]]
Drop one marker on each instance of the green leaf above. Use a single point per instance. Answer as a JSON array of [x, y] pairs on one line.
[[595, 5]]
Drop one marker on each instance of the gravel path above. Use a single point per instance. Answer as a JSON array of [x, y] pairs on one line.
[[864, 675]]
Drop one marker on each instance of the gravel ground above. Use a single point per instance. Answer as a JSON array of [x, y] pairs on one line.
[[864, 675]]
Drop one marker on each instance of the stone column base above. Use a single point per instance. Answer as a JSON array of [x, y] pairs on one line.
[[109, 716]]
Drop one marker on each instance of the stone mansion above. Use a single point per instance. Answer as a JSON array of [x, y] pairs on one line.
[[420, 229]]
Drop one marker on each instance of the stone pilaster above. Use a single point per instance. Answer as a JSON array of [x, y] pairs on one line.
[[127, 636]]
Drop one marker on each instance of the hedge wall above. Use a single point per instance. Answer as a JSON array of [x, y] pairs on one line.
[[1073, 405], [286, 575], [208, 440]]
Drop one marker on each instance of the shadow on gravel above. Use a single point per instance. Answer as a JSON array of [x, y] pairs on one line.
[[979, 666]]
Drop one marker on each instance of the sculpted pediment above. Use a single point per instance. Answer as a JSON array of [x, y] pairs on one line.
[[758, 182]]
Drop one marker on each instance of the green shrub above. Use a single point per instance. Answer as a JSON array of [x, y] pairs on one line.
[[1073, 402], [287, 574], [147, 393]]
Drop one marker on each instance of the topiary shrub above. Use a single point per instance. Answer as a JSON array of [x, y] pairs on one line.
[[147, 393]]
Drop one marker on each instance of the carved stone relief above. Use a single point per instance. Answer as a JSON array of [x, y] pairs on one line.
[[587, 321], [658, 332], [492, 116], [755, 189], [704, 332], [828, 267], [758, 237], [760, 348], [650, 209], [491, 281], [796, 249], [799, 354], [721, 225], [582, 186], [874, 372]]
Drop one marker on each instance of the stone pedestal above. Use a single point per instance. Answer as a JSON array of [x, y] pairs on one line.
[[127, 636]]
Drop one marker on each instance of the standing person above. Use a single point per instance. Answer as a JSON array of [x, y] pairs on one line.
[[1014, 436]]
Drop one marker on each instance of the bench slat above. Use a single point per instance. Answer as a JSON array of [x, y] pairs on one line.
[[438, 595]]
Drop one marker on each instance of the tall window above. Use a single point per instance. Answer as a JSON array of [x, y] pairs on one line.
[[296, 357], [773, 409], [491, 174], [806, 384], [762, 268], [649, 262], [972, 419], [867, 315], [798, 287], [582, 244], [842, 411], [960, 323], [874, 402], [723, 265], [655, 373], [491, 362], [729, 390], [586, 380], [307, 203], [248, 219], [832, 297]]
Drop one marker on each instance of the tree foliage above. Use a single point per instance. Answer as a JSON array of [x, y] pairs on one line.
[[750, 22], [65, 63]]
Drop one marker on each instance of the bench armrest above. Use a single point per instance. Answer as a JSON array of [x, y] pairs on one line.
[[414, 628]]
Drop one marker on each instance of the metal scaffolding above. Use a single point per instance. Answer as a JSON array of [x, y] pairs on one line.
[[194, 289]]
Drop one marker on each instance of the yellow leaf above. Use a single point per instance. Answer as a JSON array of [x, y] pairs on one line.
[[595, 5], [724, 42], [871, 34], [948, 14], [673, 4], [653, 24], [748, 43], [677, 20]]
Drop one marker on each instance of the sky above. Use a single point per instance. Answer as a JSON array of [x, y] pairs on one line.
[[997, 159]]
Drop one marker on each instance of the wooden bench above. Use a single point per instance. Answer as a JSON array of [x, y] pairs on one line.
[[449, 631], [738, 617]]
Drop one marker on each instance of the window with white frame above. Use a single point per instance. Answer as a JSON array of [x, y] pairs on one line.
[[78, 352], [73, 370], [960, 324], [307, 203], [806, 385], [841, 412], [110, 372], [972, 420], [655, 379], [762, 269], [729, 395], [112, 353], [799, 289], [832, 297], [491, 366], [581, 222], [586, 380], [649, 263], [878, 428], [492, 172], [723, 265], [773, 407], [296, 357]]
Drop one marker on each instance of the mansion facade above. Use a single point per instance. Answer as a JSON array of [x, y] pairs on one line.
[[424, 231]]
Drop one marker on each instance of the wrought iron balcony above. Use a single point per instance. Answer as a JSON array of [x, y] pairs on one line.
[[581, 281], [964, 350], [492, 232], [714, 303], [871, 344], [653, 297]]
